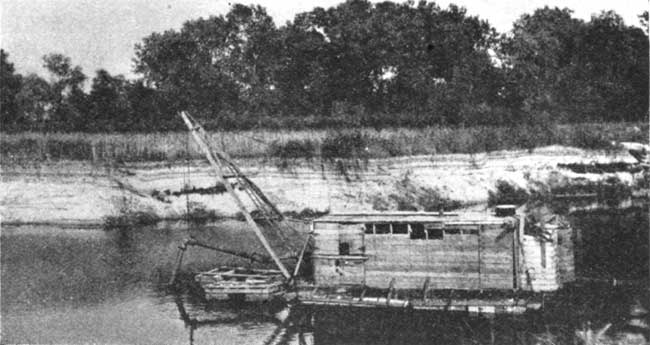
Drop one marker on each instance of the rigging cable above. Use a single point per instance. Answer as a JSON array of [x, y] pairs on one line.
[[186, 181]]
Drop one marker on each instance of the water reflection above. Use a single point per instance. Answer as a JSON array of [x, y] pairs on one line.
[[91, 286], [212, 315]]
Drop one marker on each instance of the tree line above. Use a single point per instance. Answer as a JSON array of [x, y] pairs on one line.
[[355, 64]]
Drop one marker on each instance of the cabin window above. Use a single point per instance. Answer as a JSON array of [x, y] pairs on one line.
[[400, 229], [382, 229], [417, 232], [470, 231], [434, 234], [344, 248], [369, 229], [452, 231]]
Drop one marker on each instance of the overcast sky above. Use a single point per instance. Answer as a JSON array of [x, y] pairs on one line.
[[101, 34]]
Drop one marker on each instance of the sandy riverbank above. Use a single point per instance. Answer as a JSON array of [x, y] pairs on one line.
[[74, 192]]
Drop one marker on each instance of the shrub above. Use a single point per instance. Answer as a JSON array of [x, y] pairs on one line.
[[217, 189], [130, 219], [379, 203], [380, 147], [306, 213], [69, 149], [612, 191], [430, 200], [20, 149], [410, 197], [404, 202], [591, 139], [199, 214], [292, 149], [345, 145], [507, 193]]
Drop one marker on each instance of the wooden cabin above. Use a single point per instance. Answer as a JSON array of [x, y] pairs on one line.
[[464, 251]]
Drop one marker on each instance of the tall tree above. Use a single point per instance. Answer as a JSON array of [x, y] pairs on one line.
[[35, 102], [67, 90], [566, 69], [215, 65], [539, 55], [387, 57], [613, 60], [643, 20], [253, 50], [9, 87], [151, 110], [109, 104]]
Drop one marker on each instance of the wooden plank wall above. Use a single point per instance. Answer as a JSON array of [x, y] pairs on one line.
[[497, 265], [333, 271], [460, 260], [566, 261], [541, 264], [327, 237], [450, 263]]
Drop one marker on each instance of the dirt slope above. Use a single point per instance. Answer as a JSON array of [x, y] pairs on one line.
[[73, 192]]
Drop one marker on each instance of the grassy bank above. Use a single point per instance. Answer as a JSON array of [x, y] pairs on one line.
[[363, 143]]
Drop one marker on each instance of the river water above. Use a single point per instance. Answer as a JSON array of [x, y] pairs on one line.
[[75, 285]]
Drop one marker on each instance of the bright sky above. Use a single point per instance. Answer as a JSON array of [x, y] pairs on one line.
[[101, 34]]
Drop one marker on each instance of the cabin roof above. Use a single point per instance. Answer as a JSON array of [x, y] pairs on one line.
[[414, 217]]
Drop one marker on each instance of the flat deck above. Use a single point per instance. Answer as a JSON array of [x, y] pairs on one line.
[[307, 295]]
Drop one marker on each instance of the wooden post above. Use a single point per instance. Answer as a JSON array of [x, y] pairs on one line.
[[93, 148], [220, 176], [480, 231], [522, 254], [492, 336], [425, 289], [300, 258], [391, 291], [542, 252], [179, 262], [515, 253]]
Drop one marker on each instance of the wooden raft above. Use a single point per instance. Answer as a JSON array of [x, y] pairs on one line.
[[253, 284]]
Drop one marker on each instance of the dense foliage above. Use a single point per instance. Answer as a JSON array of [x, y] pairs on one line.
[[355, 64]]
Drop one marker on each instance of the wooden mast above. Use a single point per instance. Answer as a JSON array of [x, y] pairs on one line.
[[216, 162]]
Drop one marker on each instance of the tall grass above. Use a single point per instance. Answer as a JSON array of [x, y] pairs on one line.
[[351, 143]]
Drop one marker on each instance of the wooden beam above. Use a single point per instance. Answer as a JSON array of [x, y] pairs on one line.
[[425, 289], [179, 262], [391, 291], [300, 258], [515, 254]]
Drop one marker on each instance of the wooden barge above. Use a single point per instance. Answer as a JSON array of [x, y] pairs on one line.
[[470, 262], [483, 263], [491, 263]]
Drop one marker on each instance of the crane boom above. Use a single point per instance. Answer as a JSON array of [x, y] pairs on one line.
[[217, 161]]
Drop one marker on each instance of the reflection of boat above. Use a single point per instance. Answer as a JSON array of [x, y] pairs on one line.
[[195, 317], [483, 263]]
